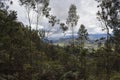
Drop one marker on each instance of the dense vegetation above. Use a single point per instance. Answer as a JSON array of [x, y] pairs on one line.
[[25, 56]]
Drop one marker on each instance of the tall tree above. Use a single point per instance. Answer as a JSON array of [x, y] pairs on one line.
[[40, 7], [52, 21], [82, 35], [109, 15], [72, 19], [64, 29]]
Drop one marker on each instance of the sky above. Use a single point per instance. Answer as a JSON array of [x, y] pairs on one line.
[[86, 9]]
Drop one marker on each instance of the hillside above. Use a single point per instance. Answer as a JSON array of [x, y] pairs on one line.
[[67, 39]]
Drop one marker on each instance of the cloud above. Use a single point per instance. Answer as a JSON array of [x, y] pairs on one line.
[[86, 9]]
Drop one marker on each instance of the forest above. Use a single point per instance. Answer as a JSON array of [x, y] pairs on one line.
[[28, 54]]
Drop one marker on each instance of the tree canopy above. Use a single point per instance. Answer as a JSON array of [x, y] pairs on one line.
[[25, 55]]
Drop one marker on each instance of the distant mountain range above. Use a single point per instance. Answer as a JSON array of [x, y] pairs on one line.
[[69, 37], [97, 36]]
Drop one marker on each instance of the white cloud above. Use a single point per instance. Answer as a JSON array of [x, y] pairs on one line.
[[86, 9]]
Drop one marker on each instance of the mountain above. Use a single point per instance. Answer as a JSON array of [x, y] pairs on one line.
[[67, 38], [96, 36]]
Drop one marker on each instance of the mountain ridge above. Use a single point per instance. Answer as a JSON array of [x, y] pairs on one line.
[[68, 37]]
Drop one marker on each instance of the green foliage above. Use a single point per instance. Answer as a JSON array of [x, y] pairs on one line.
[[25, 57], [109, 16], [116, 77], [82, 35], [72, 19], [72, 16]]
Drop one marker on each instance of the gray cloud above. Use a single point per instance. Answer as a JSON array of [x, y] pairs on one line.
[[86, 9]]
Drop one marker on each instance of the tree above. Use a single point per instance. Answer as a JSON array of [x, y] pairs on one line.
[[52, 22], [72, 19], [39, 6], [41, 9], [82, 35], [64, 29], [109, 15]]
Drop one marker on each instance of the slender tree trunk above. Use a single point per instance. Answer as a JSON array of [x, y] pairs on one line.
[[64, 39], [38, 15], [108, 72], [37, 22], [30, 24], [72, 36]]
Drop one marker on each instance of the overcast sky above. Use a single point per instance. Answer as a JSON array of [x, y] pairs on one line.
[[86, 9]]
